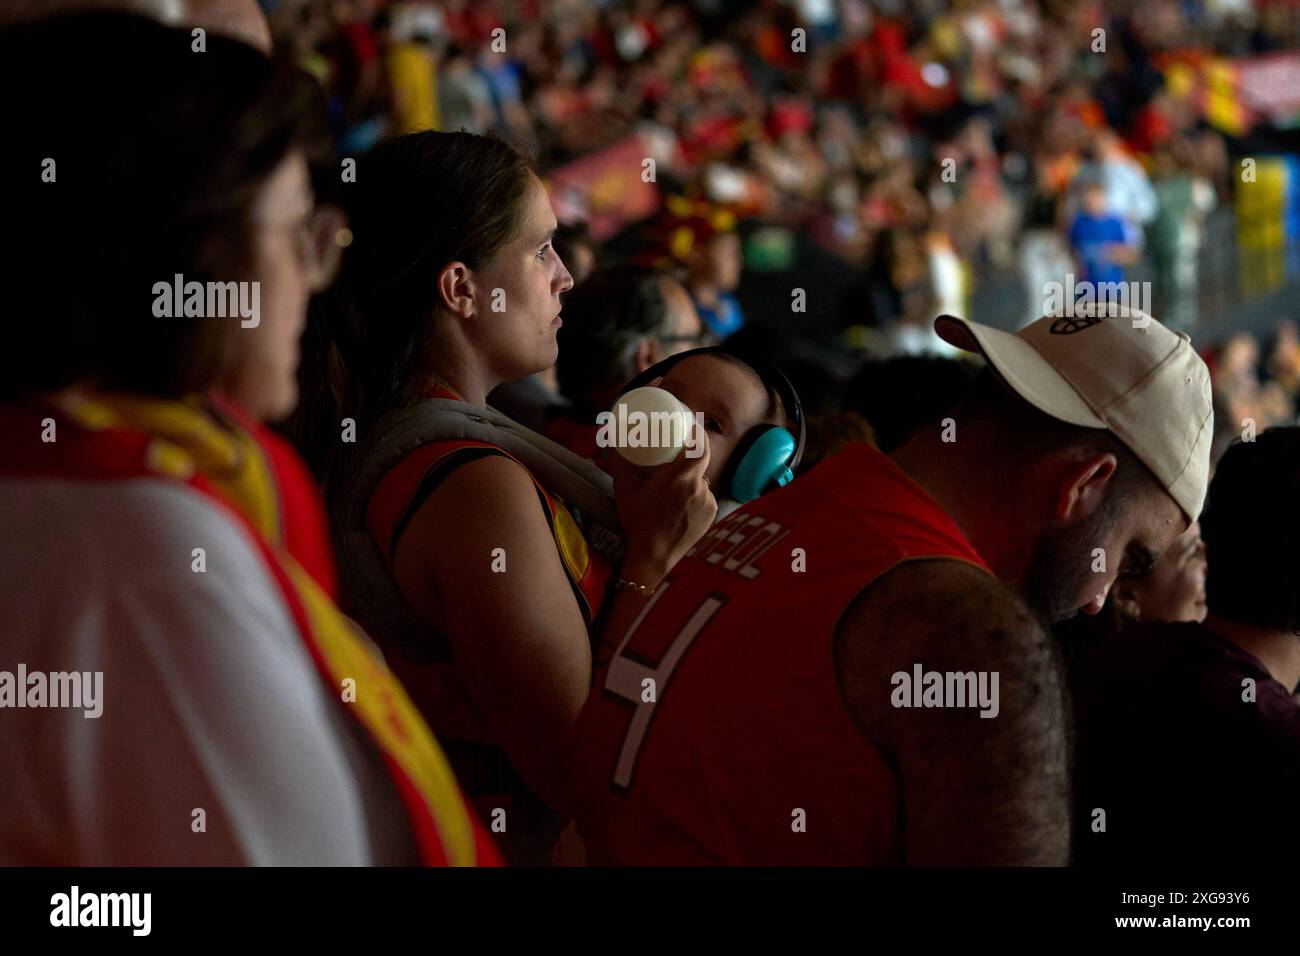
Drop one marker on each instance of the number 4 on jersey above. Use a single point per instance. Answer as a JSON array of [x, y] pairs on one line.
[[626, 674]]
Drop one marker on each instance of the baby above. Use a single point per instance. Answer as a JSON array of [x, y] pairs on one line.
[[731, 397], [743, 417]]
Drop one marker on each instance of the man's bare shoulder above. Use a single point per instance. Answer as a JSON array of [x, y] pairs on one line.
[[980, 752], [944, 614], [930, 592]]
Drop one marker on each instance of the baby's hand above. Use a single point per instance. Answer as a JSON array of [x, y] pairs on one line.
[[664, 510]]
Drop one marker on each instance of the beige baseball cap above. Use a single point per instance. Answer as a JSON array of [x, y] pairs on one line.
[[1104, 365]]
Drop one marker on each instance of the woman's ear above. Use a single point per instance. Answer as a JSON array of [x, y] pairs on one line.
[[456, 289]]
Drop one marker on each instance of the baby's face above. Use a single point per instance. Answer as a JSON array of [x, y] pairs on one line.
[[731, 396]]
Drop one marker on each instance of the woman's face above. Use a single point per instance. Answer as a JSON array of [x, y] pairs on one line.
[[731, 397], [1175, 588], [517, 295], [264, 381]]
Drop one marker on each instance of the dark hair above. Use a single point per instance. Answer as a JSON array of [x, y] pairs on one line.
[[420, 201], [899, 395], [159, 154], [778, 411], [1033, 433], [829, 432], [604, 320], [1251, 527]]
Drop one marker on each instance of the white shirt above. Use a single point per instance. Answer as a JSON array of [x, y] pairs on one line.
[[210, 700]]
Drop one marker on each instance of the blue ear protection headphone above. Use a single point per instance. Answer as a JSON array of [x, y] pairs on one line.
[[766, 455]]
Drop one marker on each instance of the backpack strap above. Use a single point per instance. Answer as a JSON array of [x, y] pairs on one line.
[[585, 489]]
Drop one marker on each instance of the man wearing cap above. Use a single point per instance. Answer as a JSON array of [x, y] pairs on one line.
[[854, 670]]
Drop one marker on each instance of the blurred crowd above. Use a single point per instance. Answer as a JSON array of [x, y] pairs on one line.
[[422, 578], [923, 145]]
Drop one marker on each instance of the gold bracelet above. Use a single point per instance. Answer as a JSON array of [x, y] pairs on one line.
[[639, 588]]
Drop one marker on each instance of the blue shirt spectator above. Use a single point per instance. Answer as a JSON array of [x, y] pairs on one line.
[[1101, 240], [723, 319]]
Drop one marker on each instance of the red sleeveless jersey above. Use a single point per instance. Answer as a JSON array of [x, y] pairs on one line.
[[407, 486], [716, 732], [423, 659]]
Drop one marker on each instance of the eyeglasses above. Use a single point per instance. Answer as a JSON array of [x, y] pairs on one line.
[[319, 240]]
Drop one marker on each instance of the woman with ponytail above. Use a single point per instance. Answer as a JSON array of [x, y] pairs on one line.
[[465, 561]]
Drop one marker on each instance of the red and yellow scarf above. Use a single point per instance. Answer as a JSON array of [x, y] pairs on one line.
[[106, 437]]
